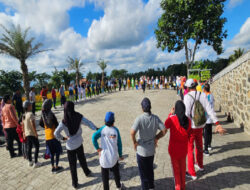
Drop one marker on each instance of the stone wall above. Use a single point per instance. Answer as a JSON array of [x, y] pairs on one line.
[[231, 89]]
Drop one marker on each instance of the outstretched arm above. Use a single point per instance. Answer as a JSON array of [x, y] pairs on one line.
[[88, 123]]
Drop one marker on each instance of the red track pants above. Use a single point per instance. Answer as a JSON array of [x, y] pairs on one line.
[[196, 136], [179, 170]]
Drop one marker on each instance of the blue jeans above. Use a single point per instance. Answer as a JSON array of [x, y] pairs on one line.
[[146, 171]]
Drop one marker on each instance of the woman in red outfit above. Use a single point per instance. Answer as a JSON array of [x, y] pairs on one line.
[[180, 128]]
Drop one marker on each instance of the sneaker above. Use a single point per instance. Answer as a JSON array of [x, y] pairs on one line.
[[75, 185], [190, 176], [198, 167], [209, 148], [53, 170], [13, 156], [30, 163], [58, 169], [90, 174], [37, 165], [206, 153], [122, 187]]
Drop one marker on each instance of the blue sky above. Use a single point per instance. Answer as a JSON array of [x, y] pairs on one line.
[[119, 31]]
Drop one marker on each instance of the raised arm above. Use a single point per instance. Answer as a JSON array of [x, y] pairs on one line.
[[88, 123]]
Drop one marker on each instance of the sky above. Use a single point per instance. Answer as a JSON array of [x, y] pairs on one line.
[[118, 31]]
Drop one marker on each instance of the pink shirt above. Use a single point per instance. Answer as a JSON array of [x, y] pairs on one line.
[[9, 118]]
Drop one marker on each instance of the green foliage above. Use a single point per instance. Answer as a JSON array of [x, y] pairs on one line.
[[76, 65], [42, 80], [66, 77], [195, 20], [237, 53], [102, 64], [55, 80], [10, 82], [119, 73], [94, 76]]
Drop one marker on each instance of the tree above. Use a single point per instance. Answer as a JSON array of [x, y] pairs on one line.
[[65, 77], [77, 66], [102, 64], [42, 80], [119, 73], [237, 53], [15, 43], [194, 21], [56, 79], [10, 82]]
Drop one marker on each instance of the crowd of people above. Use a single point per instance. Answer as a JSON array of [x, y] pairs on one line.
[[189, 120]]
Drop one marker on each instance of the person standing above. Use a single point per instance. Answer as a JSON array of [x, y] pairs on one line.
[[62, 94], [147, 126], [10, 122], [133, 83], [32, 96], [180, 128], [30, 133], [192, 101], [18, 102], [120, 84], [71, 125], [124, 84], [110, 151], [71, 93], [76, 93], [207, 131], [53, 93], [49, 122], [44, 92]]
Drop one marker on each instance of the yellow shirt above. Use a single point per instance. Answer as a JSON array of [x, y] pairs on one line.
[[198, 88], [49, 133]]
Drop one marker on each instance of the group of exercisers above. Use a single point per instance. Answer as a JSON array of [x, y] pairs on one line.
[[182, 122]]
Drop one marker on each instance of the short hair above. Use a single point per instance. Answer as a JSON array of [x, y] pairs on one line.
[[207, 87], [109, 124], [6, 98]]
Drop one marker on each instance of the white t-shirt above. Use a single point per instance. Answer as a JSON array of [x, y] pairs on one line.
[[32, 96]]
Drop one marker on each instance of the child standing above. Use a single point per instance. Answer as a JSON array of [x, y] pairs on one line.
[[180, 128], [49, 122], [22, 139], [111, 145], [30, 133]]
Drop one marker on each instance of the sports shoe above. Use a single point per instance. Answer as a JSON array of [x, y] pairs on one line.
[[53, 170], [190, 176], [198, 167], [209, 148], [30, 164], [122, 187], [37, 165], [206, 153]]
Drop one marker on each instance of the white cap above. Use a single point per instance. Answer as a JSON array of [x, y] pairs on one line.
[[190, 83]]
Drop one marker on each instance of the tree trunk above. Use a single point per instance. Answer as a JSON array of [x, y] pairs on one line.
[[187, 58], [77, 78], [26, 82]]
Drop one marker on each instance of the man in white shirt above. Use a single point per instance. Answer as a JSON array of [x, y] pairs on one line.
[[196, 135], [32, 97]]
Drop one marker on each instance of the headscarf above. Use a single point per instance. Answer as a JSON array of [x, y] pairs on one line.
[[146, 105], [47, 114], [72, 119], [180, 113]]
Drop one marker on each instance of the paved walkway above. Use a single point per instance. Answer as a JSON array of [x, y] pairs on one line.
[[227, 168]]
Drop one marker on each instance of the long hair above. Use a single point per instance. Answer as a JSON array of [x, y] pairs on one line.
[[180, 110], [47, 114], [72, 119]]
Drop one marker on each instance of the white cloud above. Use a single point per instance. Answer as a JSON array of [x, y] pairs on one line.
[[234, 3], [125, 23]]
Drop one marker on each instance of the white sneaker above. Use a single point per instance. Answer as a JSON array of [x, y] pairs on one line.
[[30, 163], [37, 165], [209, 148], [190, 176], [198, 167]]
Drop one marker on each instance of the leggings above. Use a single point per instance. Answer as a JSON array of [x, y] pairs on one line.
[[31, 140]]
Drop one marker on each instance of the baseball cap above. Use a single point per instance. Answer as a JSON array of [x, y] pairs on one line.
[[190, 83], [110, 117], [26, 104]]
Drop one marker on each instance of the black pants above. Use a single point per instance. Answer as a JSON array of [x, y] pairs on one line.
[[31, 140], [34, 108], [76, 97], [19, 112], [11, 136], [55, 150], [207, 134], [105, 176], [63, 100], [181, 94], [72, 157], [54, 102], [146, 171]]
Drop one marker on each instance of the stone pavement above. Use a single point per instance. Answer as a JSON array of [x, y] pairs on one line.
[[228, 167]]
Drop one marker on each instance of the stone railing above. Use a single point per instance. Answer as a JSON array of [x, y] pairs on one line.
[[231, 89]]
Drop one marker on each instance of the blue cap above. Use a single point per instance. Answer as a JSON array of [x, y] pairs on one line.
[[110, 117]]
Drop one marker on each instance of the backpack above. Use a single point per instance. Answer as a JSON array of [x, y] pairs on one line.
[[199, 112]]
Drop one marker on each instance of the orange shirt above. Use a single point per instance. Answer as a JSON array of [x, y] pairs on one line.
[[9, 117], [49, 133]]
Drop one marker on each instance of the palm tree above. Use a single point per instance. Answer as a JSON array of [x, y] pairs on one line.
[[102, 64], [237, 53], [77, 65], [15, 43]]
